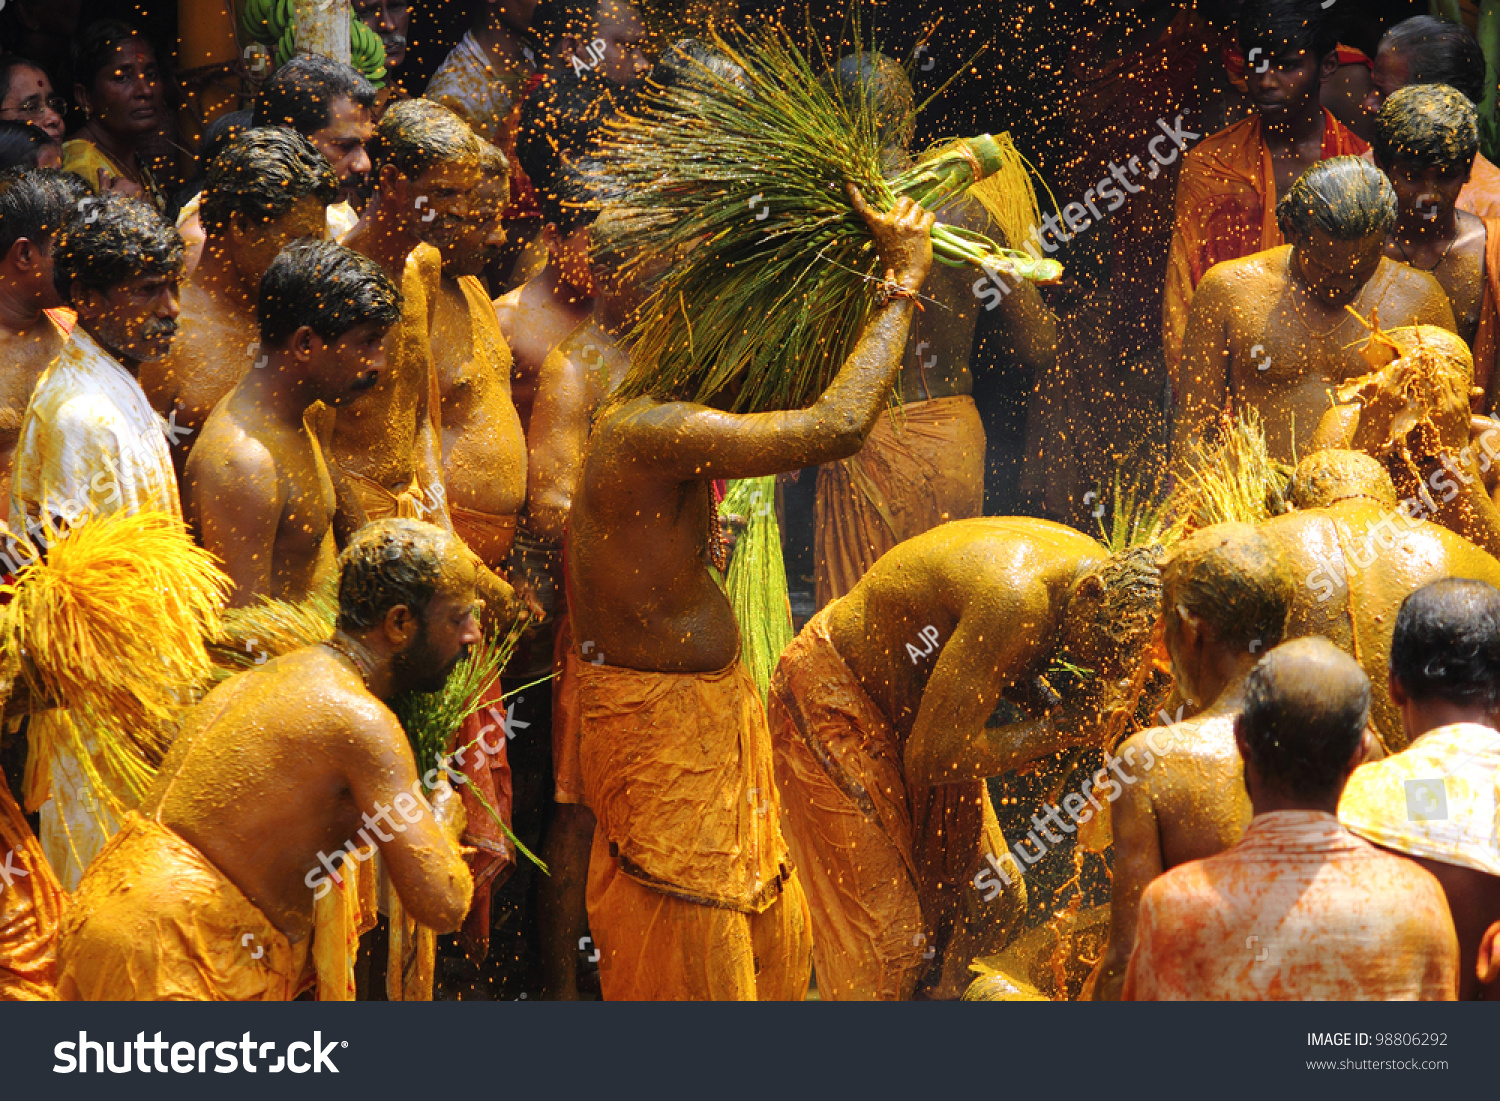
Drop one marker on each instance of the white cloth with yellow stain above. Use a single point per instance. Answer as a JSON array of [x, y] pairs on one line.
[[1437, 799], [90, 445]]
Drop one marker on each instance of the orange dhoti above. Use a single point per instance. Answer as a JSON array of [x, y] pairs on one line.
[[889, 868], [381, 504], [1487, 338], [567, 770], [153, 920], [31, 909], [690, 891], [484, 533], [922, 466]]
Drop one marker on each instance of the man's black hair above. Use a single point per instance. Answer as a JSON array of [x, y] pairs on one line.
[[35, 202], [1280, 28], [1306, 707], [108, 240], [301, 93], [1439, 52], [1447, 643], [21, 143], [327, 287], [261, 174]]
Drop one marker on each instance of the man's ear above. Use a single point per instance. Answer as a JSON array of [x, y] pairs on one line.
[[392, 182], [1191, 629], [1488, 964], [85, 299], [22, 255], [400, 626], [304, 343], [1328, 66], [1398, 694]]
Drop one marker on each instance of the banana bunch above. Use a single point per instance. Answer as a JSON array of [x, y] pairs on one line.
[[274, 23], [366, 52]]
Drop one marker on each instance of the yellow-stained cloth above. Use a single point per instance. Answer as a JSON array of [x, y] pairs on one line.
[[1481, 195], [922, 465], [31, 910], [154, 920], [1299, 909], [1487, 337], [888, 867], [90, 444], [1436, 799], [381, 504], [1226, 208], [690, 892], [84, 159]]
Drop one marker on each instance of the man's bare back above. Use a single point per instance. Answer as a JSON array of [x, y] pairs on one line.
[[279, 765], [249, 470], [1256, 339], [638, 548]]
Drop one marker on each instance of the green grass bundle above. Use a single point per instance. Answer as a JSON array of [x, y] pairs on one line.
[[431, 719], [757, 579], [734, 180], [1232, 479]]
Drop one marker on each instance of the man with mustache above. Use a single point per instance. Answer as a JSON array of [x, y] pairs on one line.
[[269, 187], [257, 489], [235, 861], [90, 442]]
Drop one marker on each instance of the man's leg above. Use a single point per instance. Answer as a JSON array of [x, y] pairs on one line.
[[560, 898]]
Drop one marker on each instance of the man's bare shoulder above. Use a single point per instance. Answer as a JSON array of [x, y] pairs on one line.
[[1419, 286], [1191, 749], [1245, 273], [230, 454]]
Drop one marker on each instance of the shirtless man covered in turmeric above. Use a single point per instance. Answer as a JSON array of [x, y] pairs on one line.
[[1226, 595], [426, 171], [257, 489], [267, 188], [690, 894], [878, 717], [1271, 331], [214, 857]]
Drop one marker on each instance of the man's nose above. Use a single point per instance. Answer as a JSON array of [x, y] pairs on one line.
[[387, 21], [360, 166], [472, 634], [169, 304], [1373, 99], [496, 236]]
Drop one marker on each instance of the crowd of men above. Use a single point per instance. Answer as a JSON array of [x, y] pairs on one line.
[[370, 351]]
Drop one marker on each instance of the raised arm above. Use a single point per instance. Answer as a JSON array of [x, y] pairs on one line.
[[559, 431], [421, 855], [1137, 862], [686, 441]]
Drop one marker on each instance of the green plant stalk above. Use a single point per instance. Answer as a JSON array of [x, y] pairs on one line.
[[1489, 41]]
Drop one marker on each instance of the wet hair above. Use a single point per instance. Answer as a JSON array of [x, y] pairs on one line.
[[566, 198], [389, 563], [560, 128], [301, 93], [327, 287], [9, 63], [108, 240], [22, 143], [1284, 27], [1326, 477], [415, 134], [96, 46], [1131, 581], [1306, 706], [1447, 643], [1439, 52], [687, 58], [262, 174], [1431, 125], [1237, 581], [1347, 198], [884, 84], [34, 203], [492, 160], [222, 131], [555, 19]]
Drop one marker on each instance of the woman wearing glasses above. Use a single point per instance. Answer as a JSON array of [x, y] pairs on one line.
[[26, 95]]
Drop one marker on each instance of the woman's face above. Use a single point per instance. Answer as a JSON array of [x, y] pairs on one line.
[[30, 98], [126, 97]]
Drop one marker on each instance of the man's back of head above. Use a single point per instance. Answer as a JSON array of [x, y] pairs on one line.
[[416, 134], [34, 204], [1436, 51], [260, 175], [1446, 648], [1427, 126], [1236, 581], [882, 82], [1279, 29], [1306, 707]]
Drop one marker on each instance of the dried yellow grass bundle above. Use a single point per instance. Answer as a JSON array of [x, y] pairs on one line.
[[1232, 479], [1009, 195], [111, 624], [252, 636]]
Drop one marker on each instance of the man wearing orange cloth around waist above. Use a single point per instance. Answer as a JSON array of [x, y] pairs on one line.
[[690, 892], [878, 716], [277, 775]]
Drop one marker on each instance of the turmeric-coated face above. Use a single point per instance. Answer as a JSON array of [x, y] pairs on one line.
[[446, 630], [351, 364], [1334, 271], [442, 199]]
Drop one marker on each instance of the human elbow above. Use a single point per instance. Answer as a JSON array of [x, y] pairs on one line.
[[445, 911]]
